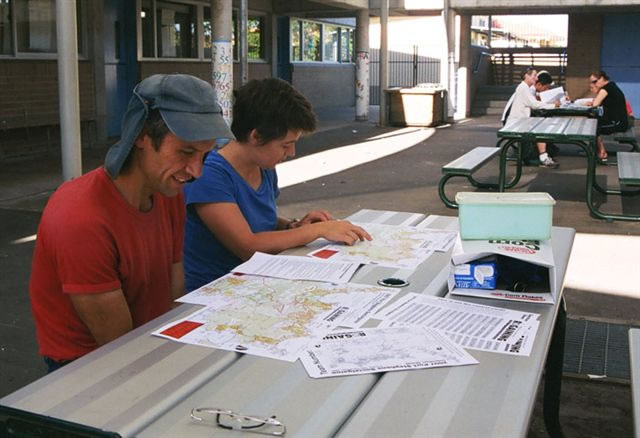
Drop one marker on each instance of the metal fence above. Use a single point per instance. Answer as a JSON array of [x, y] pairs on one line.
[[406, 69]]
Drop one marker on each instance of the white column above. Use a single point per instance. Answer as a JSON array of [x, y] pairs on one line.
[[243, 28], [384, 60], [68, 89], [362, 65], [222, 56]]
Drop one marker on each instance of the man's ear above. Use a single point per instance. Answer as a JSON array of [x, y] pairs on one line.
[[254, 137], [143, 140]]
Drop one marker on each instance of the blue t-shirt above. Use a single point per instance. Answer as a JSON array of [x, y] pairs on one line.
[[205, 258]]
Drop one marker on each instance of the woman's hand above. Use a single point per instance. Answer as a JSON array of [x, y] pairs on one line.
[[342, 231], [312, 217]]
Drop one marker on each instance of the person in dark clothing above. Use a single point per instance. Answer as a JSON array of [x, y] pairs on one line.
[[613, 102]]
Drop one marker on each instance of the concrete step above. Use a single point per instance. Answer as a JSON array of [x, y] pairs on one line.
[[479, 111], [494, 103]]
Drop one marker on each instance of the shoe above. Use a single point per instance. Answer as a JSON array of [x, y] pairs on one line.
[[603, 161], [548, 162]]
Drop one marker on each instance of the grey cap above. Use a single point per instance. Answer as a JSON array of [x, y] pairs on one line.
[[188, 106]]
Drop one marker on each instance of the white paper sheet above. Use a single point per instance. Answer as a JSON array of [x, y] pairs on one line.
[[298, 268], [376, 350], [272, 317], [471, 325], [393, 246], [552, 95]]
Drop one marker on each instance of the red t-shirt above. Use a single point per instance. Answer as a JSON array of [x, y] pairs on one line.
[[91, 240]]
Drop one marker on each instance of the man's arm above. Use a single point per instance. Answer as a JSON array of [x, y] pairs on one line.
[[106, 315], [177, 280]]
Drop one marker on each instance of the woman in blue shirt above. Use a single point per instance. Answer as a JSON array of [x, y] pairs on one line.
[[231, 208]]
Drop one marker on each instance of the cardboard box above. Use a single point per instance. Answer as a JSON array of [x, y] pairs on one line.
[[534, 254]]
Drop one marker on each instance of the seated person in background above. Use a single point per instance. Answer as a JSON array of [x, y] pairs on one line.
[[613, 102], [108, 256], [522, 102], [231, 210]]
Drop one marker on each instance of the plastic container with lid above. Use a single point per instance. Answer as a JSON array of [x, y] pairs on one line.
[[505, 215]]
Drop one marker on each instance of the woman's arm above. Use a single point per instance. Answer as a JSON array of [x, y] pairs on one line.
[[602, 94], [227, 223]]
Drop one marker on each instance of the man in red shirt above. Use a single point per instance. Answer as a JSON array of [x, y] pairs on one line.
[[108, 256]]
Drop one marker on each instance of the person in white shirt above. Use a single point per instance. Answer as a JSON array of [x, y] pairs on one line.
[[522, 102]]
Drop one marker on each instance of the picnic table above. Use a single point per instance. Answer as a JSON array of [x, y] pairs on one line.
[[145, 386]]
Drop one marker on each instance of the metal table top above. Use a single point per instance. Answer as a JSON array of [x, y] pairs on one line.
[[141, 385]]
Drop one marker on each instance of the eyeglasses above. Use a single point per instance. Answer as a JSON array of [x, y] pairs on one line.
[[594, 81], [230, 420]]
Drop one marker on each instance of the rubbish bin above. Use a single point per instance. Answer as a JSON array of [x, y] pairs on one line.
[[422, 105]]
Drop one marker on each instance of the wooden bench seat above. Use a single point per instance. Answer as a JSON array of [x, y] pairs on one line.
[[465, 166]]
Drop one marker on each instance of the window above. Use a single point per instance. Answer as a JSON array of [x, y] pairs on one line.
[[346, 45], [6, 35], [330, 47], [320, 42], [29, 27], [255, 35], [311, 41], [175, 30]]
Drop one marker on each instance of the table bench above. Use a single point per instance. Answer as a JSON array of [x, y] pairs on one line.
[[634, 359], [627, 137], [465, 166]]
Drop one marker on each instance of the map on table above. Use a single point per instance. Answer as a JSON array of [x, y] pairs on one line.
[[375, 350], [272, 317], [394, 246]]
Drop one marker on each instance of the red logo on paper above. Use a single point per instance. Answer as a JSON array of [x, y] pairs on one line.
[[179, 330], [517, 249], [325, 253]]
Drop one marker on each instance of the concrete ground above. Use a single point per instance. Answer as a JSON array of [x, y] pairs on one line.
[[347, 166]]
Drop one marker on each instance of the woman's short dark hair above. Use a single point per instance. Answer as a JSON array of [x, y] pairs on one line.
[[272, 107], [600, 74], [528, 71]]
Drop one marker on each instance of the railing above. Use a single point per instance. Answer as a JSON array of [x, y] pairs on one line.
[[509, 63]]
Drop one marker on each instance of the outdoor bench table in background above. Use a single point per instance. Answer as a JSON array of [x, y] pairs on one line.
[[146, 386]]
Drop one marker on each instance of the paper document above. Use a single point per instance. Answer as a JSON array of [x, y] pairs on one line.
[[394, 246], [470, 325], [297, 268], [272, 317], [376, 350], [552, 95]]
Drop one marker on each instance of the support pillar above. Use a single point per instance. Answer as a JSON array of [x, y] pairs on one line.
[[362, 65], [243, 27], [465, 68], [384, 60], [69, 101], [222, 56]]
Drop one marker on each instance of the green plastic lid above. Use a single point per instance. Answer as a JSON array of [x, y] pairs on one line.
[[520, 198]]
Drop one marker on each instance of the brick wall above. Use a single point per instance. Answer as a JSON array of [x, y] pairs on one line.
[[29, 93], [583, 52]]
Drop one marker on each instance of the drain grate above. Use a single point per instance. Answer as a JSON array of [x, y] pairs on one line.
[[597, 348]]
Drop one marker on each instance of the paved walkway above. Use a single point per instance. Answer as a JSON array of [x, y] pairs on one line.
[[350, 165]]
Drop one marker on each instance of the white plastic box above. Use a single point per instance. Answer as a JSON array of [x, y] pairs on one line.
[[505, 215]]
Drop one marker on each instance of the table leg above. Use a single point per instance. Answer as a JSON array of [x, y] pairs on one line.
[[502, 176], [553, 376]]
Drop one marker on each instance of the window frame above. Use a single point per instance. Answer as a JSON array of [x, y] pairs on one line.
[[341, 28], [82, 7], [200, 33]]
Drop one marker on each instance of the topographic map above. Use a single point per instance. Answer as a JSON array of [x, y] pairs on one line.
[[396, 246], [272, 317], [381, 349]]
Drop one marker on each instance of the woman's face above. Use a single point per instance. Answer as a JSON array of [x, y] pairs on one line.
[[597, 82]]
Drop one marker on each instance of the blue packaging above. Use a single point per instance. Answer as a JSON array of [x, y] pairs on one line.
[[477, 274]]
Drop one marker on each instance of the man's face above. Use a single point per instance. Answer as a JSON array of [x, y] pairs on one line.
[[173, 164], [530, 78], [277, 151], [541, 87], [596, 82]]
